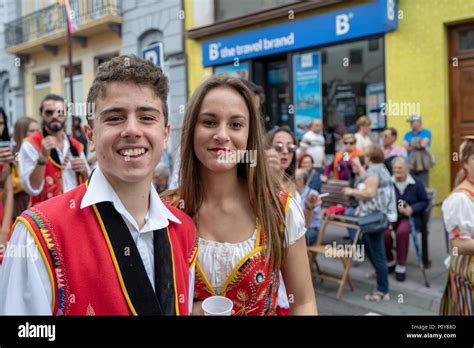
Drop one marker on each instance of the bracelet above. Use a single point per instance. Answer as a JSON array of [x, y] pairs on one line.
[[41, 162]]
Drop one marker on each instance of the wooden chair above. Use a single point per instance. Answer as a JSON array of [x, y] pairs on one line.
[[336, 197], [345, 255]]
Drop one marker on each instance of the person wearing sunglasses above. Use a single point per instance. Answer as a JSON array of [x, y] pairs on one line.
[[283, 145], [50, 161], [341, 166]]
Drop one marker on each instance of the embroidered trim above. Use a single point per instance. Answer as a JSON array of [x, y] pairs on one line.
[[47, 232], [174, 275]]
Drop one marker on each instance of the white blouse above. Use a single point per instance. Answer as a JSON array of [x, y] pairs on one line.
[[362, 141], [217, 259], [458, 211]]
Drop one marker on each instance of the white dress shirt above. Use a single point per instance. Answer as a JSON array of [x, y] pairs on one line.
[[27, 162], [25, 288]]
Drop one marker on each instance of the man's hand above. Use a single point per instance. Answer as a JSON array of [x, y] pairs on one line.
[[6, 155], [79, 165], [47, 145], [324, 178], [407, 210]]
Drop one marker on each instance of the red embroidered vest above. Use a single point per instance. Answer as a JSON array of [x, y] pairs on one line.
[[82, 265], [53, 175], [252, 286]]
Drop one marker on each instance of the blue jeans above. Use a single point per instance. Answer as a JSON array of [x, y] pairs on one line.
[[375, 250], [311, 235], [352, 232]]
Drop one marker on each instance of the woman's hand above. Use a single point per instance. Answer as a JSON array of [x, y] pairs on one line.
[[197, 308], [407, 210], [347, 191], [313, 200], [6, 155], [324, 178]]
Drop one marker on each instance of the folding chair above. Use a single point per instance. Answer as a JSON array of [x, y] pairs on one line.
[[345, 255]]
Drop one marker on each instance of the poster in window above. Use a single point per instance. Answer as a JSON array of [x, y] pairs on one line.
[[307, 90], [241, 70], [375, 101]]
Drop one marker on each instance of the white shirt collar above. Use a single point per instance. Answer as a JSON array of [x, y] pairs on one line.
[[100, 190]]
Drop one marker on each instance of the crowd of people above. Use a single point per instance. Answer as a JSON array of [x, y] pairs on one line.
[[222, 226]]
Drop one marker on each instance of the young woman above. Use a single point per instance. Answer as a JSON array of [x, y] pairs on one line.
[[283, 141], [458, 212], [24, 127], [248, 232]]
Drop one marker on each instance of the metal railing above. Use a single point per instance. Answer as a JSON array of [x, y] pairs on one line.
[[51, 19]]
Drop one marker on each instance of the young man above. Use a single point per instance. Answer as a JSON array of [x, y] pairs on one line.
[[110, 246], [50, 161]]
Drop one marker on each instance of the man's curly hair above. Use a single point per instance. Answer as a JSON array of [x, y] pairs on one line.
[[129, 68]]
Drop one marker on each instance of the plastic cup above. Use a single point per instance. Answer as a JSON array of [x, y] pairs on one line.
[[217, 305]]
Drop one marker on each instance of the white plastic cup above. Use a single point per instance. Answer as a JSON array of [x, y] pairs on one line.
[[217, 305]]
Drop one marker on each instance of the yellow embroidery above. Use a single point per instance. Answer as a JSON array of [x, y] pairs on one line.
[[90, 311]]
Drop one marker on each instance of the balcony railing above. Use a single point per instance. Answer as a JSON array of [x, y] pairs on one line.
[[53, 18]]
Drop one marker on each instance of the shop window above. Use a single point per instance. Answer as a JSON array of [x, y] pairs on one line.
[[350, 93], [355, 56]]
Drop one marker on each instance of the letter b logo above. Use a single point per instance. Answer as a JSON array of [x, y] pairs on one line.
[[342, 24], [213, 51]]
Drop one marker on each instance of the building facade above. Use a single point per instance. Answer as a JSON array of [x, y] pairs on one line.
[[151, 28], [11, 78], [37, 38], [339, 60]]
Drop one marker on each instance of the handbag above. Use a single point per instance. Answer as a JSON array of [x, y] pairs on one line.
[[373, 223]]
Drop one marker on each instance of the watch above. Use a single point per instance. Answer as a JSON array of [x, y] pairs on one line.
[[41, 162]]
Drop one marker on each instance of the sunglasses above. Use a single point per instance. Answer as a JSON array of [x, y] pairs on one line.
[[290, 147], [49, 113], [349, 143]]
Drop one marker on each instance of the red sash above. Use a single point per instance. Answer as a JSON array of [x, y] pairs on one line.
[[53, 175], [85, 263], [252, 286]]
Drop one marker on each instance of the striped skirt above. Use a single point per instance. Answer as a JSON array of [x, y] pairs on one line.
[[458, 297]]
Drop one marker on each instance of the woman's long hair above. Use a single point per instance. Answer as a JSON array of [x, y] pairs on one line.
[[262, 187], [6, 134], [21, 129]]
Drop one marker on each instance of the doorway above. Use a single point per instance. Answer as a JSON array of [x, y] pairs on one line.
[[461, 88]]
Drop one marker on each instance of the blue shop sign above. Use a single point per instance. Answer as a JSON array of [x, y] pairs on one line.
[[375, 17], [154, 53]]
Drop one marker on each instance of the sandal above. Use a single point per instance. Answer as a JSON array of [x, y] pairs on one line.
[[377, 297]]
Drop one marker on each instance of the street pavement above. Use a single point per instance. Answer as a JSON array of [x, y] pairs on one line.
[[410, 297]]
